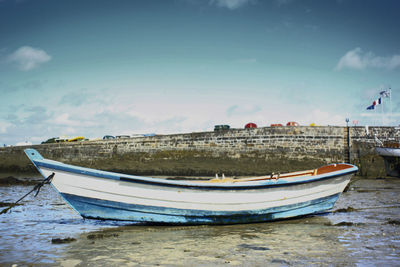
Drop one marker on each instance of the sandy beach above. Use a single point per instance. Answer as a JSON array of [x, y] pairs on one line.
[[362, 230]]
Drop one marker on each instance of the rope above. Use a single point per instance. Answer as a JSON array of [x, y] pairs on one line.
[[37, 188]]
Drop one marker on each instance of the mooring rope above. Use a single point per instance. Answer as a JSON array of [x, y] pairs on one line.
[[37, 188]]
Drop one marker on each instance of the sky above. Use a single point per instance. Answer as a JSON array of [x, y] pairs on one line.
[[100, 67]]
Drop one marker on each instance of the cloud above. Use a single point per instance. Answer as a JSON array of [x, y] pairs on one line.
[[242, 110], [76, 99], [65, 120], [283, 2], [230, 4], [129, 111], [3, 126], [27, 58], [357, 59], [322, 117]]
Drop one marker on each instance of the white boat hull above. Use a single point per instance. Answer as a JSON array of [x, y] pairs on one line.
[[387, 151], [106, 195]]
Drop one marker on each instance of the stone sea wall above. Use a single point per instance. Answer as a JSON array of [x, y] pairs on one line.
[[232, 152]]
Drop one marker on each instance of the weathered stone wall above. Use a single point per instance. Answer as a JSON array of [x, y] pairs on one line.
[[363, 143], [233, 152]]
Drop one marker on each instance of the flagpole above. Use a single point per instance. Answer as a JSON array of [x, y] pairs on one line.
[[383, 112], [390, 100]]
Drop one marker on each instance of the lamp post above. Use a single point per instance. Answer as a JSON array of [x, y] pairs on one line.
[[347, 149]]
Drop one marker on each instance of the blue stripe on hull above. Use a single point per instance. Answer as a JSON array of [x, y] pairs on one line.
[[110, 210]]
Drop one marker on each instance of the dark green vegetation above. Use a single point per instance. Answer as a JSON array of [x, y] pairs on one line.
[[9, 180], [50, 141], [191, 163], [62, 240], [234, 152]]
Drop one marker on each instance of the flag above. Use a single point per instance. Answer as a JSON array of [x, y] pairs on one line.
[[376, 102], [371, 107], [385, 93]]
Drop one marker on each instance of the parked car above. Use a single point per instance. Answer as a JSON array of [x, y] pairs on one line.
[[250, 125], [50, 141], [149, 134], [276, 125], [292, 123], [108, 137], [122, 136], [221, 127], [61, 139], [24, 143], [76, 139]]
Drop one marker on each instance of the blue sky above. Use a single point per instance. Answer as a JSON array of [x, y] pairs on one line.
[[100, 67]]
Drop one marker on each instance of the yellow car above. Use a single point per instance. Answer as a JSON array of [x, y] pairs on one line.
[[75, 139]]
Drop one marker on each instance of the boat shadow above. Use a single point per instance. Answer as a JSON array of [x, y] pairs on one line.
[[295, 241]]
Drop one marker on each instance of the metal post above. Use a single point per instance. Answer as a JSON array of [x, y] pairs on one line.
[[348, 139], [390, 99], [383, 112], [348, 144]]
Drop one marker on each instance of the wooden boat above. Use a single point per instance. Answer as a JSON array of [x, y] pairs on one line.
[[100, 194]]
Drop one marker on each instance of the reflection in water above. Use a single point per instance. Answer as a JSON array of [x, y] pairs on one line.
[[305, 241], [367, 234], [26, 231]]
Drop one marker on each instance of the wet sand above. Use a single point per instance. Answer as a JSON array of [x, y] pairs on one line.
[[362, 230]]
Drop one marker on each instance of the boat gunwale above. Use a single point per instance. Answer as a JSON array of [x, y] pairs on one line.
[[39, 161], [388, 151]]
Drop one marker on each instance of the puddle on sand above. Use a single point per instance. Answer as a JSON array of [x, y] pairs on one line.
[[365, 234], [27, 230], [306, 241]]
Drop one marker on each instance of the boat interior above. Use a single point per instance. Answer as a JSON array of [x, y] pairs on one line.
[[322, 170], [391, 144]]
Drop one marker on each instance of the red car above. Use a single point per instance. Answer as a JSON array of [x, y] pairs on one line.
[[250, 125]]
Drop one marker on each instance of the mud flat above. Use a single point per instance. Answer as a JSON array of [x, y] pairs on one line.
[[11, 180], [362, 230]]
